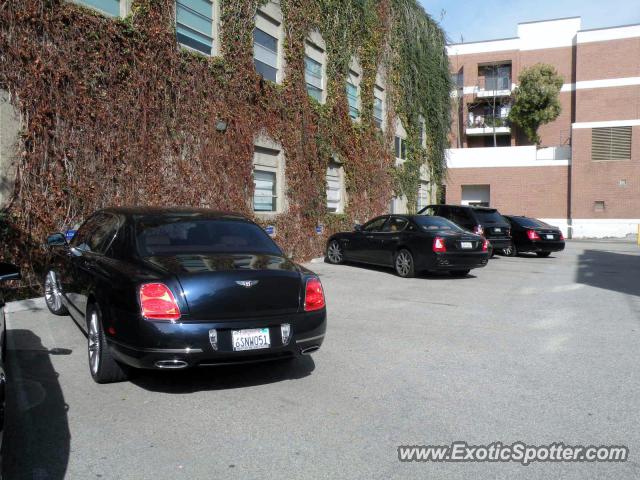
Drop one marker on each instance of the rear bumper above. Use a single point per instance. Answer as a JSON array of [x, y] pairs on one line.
[[541, 246], [181, 345], [459, 261], [500, 243]]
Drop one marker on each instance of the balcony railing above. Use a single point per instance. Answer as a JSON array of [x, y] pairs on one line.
[[487, 125], [494, 86]]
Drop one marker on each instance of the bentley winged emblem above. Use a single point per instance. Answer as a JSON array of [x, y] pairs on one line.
[[247, 283]]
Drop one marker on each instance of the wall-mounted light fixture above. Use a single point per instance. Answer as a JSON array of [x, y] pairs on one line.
[[221, 126]]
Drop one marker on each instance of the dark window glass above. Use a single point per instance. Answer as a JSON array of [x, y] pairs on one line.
[[459, 216], [395, 224], [436, 223], [375, 225], [489, 216], [96, 234], [180, 234], [529, 222]]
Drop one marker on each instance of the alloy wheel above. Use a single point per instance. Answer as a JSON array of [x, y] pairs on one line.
[[403, 263], [508, 251], [52, 292], [94, 343], [334, 252]]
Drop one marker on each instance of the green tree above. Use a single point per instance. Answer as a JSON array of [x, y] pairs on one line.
[[536, 99]]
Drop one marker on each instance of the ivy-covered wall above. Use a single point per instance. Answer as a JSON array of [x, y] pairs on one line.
[[115, 113]]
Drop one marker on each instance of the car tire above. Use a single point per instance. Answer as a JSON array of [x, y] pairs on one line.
[[510, 251], [459, 273], [53, 295], [335, 253], [543, 254], [102, 366], [403, 264], [491, 251]]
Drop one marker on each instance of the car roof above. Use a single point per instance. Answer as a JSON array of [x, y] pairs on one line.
[[201, 213], [472, 207]]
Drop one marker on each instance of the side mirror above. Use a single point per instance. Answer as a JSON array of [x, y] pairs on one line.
[[56, 240], [9, 271], [357, 227]]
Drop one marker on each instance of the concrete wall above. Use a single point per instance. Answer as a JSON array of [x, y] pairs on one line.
[[9, 130]]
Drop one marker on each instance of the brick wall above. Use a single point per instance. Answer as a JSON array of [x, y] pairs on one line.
[[535, 191]]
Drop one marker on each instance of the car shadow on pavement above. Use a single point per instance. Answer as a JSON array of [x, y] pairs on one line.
[[391, 271], [223, 377], [36, 438], [614, 271]]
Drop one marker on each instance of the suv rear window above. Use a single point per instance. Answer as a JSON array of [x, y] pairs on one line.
[[489, 216], [174, 235]]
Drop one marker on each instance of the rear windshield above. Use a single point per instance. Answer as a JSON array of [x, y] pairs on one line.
[[429, 223], [174, 235], [489, 216], [529, 222]]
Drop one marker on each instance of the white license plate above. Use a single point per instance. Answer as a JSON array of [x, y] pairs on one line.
[[251, 339], [549, 237], [466, 245], [497, 230]]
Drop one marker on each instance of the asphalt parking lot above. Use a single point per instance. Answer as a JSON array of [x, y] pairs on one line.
[[530, 349]]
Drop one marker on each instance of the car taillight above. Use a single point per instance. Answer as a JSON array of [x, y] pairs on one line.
[[478, 230], [313, 295], [561, 236], [158, 303], [532, 235], [485, 245], [438, 245]]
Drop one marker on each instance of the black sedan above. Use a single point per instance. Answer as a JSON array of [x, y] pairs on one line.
[[7, 272], [175, 288], [410, 243], [534, 236]]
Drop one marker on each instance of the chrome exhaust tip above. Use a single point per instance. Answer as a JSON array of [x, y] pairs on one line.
[[310, 350], [171, 364]]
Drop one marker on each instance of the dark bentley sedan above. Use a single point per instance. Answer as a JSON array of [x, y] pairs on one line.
[[7, 272], [410, 243], [534, 236], [175, 288]]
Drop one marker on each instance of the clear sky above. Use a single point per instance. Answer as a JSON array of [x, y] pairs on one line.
[[489, 19]]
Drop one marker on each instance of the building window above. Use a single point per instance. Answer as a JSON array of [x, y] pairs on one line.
[[423, 195], [378, 106], [494, 77], [334, 188], [110, 7], [264, 196], [422, 132], [313, 77], [598, 206], [265, 54], [194, 25], [401, 148], [611, 143], [352, 97]]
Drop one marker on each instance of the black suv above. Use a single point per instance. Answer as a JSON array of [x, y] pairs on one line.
[[480, 220]]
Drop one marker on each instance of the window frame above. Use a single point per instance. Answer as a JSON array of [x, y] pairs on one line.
[[274, 196], [214, 34], [124, 8]]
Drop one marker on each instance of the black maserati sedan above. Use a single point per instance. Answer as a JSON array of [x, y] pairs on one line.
[[410, 243], [483, 221], [7, 272], [531, 235], [174, 288]]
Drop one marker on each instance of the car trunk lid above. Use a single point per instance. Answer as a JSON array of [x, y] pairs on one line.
[[464, 242], [234, 286]]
